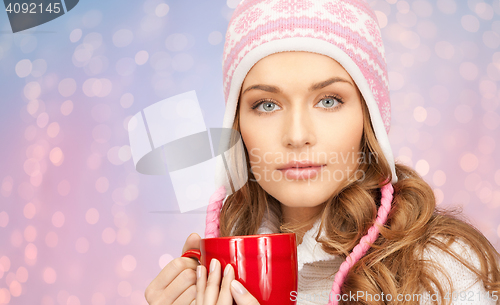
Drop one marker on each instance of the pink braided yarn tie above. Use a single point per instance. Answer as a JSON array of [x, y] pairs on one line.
[[213, 211], [364, 244]]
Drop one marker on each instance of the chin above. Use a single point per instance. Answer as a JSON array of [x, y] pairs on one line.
[[301, 194], [294, 203]]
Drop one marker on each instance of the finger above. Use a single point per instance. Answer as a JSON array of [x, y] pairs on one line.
[[181, 284], [225, 297], [192, 242], [201, 284], [241, 295], [187, 297], [213, 283], [169, 273]]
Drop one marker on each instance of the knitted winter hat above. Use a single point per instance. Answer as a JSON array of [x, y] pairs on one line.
[[345, 30]]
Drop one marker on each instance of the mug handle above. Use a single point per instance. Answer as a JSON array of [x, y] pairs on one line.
[[193, 253]]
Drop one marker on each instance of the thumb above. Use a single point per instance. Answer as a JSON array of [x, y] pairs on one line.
[[192, 242]]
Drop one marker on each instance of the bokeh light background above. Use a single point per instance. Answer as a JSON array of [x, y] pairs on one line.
[[78, 225]]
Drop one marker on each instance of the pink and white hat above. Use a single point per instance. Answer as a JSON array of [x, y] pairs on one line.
[[345, 30]]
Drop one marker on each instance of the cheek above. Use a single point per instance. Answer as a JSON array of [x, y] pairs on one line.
[[256, 149], [356, 133], [258, 140], [255, 146], [343, 134]]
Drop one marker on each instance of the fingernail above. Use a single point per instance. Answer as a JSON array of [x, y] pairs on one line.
[[226, 270], [238, 287], [213, 262], [198, 271]]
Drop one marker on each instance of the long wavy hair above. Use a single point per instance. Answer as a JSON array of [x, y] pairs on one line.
[[394, 264]]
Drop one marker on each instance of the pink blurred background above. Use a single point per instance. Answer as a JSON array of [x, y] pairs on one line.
[[78, 224]]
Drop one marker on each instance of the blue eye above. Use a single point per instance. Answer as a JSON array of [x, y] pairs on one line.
[[330, 102], [266, 106]]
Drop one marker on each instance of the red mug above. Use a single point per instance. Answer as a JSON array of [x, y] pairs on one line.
[[266, 264]]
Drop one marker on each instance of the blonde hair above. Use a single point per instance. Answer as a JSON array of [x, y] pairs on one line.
[[394, 264]]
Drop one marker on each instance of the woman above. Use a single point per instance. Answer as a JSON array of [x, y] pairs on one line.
[[306, 81]]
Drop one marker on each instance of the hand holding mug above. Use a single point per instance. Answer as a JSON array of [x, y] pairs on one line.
[[208, 290], [263, 267]]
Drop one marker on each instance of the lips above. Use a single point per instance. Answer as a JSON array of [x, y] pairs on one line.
[[300, 164], [304, 169]]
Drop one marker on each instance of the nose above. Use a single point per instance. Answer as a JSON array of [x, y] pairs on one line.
[[298, 128]]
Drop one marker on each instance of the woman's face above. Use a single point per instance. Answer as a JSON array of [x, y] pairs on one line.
[[297, 106]]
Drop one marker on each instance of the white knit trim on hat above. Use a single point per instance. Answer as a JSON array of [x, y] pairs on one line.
[[308, 44]]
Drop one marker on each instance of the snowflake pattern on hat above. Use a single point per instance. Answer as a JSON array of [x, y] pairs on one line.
[[345, 13], [286, 6], [374, 31], [247, 20]]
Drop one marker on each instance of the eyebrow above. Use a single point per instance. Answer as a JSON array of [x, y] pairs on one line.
[[314, 87]]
